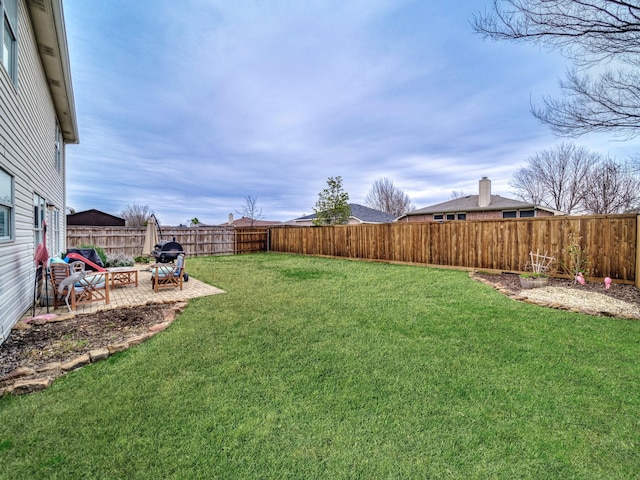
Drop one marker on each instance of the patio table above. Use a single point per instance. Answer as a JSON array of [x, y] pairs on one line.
[[121, 276]]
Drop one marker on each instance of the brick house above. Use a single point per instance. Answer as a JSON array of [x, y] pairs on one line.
[[483, 206]]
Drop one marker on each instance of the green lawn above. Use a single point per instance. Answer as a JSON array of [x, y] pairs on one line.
[[320, 368]]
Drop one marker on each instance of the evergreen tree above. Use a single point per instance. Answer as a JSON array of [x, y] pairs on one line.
[[332, 207]]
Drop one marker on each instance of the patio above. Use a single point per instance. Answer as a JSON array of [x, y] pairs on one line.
[[131, 295]]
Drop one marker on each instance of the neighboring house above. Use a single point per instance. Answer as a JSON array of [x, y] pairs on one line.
[[359, 214], [478, 207], [37, 120], [247, 222], [95, 218]]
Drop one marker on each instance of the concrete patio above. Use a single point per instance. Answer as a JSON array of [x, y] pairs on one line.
[[131, 295]]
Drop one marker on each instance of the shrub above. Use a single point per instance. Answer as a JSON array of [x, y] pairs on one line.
[[98, 250], [141, 259], [119, 260], [575, 260]]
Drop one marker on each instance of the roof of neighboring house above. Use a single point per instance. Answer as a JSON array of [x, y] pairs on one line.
[[95, 218], [247, 222], [360, 213], [47, 19], [470, 204]]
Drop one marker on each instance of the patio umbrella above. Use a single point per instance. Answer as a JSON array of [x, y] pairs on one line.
[[151, 236]]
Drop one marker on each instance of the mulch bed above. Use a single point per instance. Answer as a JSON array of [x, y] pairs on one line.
[[37, 344]]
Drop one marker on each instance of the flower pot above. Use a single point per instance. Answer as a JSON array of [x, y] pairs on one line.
[[533, 282]]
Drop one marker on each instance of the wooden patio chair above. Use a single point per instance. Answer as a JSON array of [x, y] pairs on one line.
[[58, 271], [168, 275], [73, 287]]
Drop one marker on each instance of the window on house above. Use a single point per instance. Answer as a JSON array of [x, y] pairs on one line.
[[527, 213], [6, 206], [462, 216], [438, 217], [9, 31], [39, 212], [56, 233], [451, 216], [58, 149], [509, 214]]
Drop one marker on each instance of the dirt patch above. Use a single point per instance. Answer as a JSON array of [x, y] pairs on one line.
[[39, 343], [592, 298]]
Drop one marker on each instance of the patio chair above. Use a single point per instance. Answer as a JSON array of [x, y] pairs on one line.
[[77, 287], [77, 266], [168, 275]]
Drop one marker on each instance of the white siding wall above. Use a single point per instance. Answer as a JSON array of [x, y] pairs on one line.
[[27, 136]]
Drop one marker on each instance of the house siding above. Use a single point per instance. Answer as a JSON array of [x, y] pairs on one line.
[[27, 137]]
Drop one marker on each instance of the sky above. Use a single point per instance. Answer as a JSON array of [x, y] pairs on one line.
[[190, 107]]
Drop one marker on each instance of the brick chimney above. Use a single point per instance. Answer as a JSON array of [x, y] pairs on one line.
[[484, 194]]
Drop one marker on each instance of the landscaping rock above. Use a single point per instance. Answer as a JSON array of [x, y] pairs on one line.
[[118, 347], [19, 372], [98, 354], [27, 386], [77, 362], [158, 327], [49, 367], [21, 326], [137, 340]]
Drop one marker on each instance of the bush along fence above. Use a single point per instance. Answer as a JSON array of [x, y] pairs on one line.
[[195, 241], [607, 244]]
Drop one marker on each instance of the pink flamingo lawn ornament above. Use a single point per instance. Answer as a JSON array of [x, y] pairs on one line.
[[607, 283], [580, 278], [42, 255]]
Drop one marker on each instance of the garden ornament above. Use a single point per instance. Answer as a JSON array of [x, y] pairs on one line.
[[69, 284], [607, 283], [41, 254], [580, 278]]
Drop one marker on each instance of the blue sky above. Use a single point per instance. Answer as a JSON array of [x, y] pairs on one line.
[[189, 107]]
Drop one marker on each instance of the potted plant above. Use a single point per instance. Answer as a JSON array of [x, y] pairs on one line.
[[538, 276], [533, 280]]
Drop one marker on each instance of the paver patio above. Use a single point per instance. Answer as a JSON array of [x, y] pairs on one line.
[[131, 296]]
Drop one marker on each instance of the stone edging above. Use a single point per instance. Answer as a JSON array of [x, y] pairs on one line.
[[26, 383], [555, 305]]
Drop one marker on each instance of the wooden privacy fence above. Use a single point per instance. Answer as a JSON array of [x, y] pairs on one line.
[[196, 241], [610, 243]]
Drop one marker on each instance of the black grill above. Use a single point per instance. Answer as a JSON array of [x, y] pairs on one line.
[[167, 251]]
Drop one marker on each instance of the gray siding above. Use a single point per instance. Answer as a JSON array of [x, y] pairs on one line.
[[27, 136]]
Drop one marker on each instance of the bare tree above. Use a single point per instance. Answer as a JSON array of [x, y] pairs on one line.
[[556, 178], [456, 194], [611, 189], [250, 209], [589, 32], [386, 197], [136, 215], [526, 187]]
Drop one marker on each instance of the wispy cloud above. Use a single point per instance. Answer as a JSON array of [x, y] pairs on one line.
[[191, 109]]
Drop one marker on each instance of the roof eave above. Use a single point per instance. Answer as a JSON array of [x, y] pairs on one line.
[[47, 18]]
